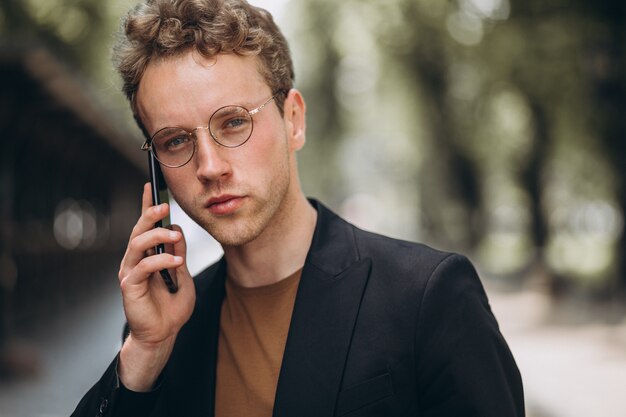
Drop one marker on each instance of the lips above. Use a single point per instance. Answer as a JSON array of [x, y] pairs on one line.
[[224, 204]]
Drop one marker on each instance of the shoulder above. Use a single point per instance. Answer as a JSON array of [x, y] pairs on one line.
[[417, 275], [403, 252], [411, 260], [339, 243]]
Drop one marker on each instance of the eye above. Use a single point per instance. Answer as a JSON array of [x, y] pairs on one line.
[[235, 123], [230, 120], [171, 140], [176, 141]]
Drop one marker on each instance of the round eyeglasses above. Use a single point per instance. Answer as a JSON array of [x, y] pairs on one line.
[[229, 126]]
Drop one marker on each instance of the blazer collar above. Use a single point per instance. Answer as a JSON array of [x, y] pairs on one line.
[[333, 248]]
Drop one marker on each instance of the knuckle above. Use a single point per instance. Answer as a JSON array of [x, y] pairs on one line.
[[144, 265], [146, 215], [148, 265], [136, 229], [123, 271], [134, 244], [152, 213], [123, 285]]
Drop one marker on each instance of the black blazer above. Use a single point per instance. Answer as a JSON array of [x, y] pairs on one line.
[[380, 327]]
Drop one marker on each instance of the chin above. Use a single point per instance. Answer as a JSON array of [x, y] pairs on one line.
[[234, 235]]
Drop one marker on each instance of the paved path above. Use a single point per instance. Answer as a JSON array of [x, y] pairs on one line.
[[569, 370]]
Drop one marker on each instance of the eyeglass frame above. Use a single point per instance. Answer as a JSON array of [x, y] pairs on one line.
[[147, 146]]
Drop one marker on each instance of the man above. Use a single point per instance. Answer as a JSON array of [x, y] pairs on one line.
[[305, 315]]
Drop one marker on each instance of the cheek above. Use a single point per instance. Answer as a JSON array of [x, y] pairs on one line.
[[176, 182], [267, 153]]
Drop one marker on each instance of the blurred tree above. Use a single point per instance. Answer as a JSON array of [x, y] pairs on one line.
[[568, 57], [605, 66], [521, 112], [77, 30]]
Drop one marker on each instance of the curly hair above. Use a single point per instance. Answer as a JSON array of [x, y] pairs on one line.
[[163, 28]]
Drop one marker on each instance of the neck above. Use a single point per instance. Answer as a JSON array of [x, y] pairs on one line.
[[279, 251]]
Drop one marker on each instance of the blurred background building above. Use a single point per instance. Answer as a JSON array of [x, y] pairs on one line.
[[490, 127]]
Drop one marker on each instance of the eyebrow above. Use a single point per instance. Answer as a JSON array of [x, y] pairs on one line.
[[229, 110]]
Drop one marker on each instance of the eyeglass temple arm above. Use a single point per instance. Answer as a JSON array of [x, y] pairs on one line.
[[258, 109]]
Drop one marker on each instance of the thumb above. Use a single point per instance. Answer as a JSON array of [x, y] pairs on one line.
[[180, 247], [185, 281]]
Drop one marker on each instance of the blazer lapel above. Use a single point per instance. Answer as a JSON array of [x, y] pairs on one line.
[[191, 376], [323, 320]]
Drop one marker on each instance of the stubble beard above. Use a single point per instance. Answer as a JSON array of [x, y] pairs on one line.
[[243, 227]]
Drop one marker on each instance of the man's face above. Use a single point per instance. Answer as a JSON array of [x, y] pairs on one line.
[[236, 194]]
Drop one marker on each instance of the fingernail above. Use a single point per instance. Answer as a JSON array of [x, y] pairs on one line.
[[178, 259], [173, 235]]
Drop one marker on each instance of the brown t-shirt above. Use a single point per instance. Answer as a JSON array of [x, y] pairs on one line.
[[253, 330]]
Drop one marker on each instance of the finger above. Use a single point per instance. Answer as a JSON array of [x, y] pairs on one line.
[[149, 218], [180, 249], [145, 242], [183, 277], [150, 214], [146, 198], [148, 266]]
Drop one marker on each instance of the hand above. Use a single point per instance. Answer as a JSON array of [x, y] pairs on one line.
[[154, 315]]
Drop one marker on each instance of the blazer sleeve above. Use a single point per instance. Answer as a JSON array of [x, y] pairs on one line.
[[464, 366], [109, 398]]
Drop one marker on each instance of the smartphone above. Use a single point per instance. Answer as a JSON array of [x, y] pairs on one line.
[[160, 195]]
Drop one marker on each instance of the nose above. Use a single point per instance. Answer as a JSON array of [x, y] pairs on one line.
[[209, 160]]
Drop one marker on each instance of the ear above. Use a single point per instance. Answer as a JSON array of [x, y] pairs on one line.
[[295, 120]]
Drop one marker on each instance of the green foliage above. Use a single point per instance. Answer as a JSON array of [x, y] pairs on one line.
[[79, 31]]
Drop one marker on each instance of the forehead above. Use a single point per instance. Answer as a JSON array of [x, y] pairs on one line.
[[180, 88]]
